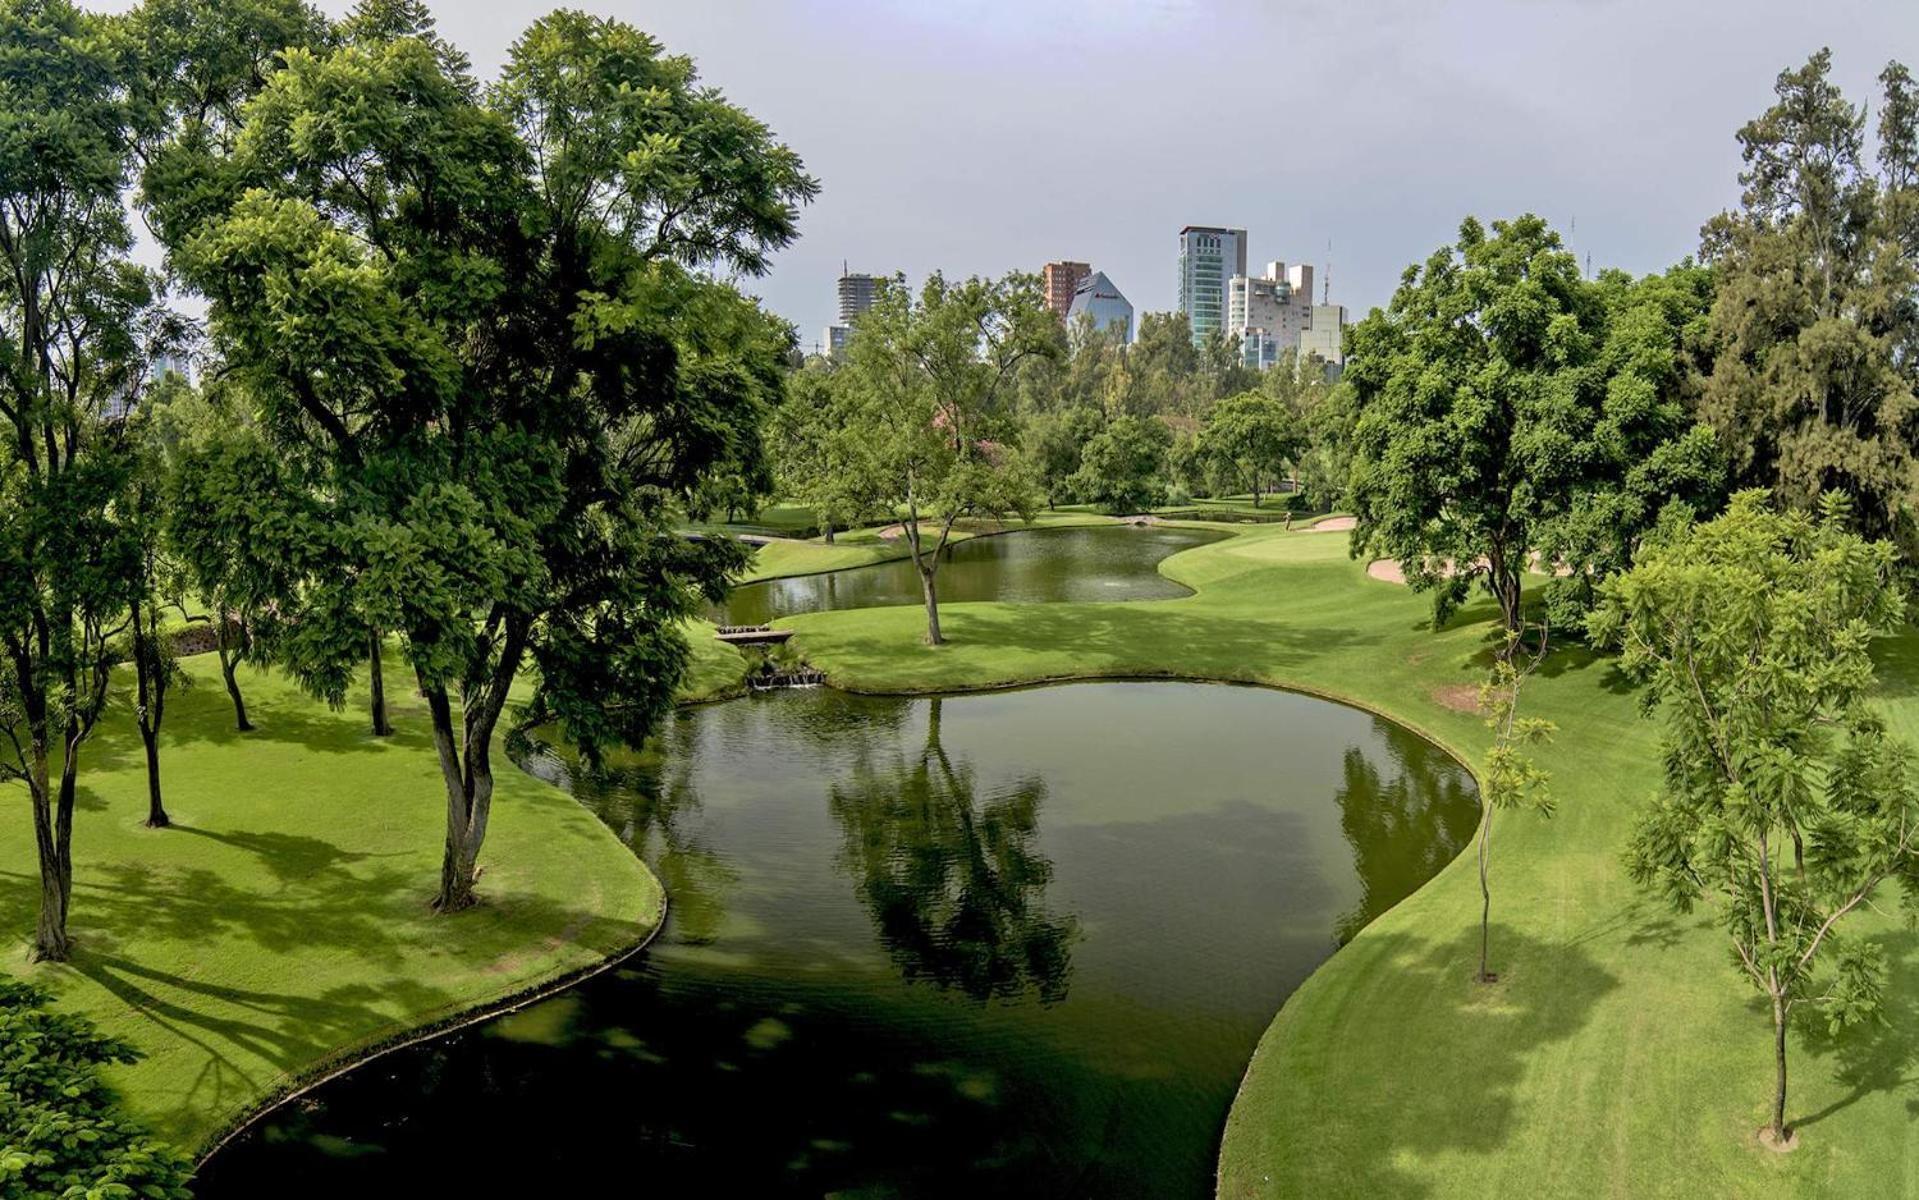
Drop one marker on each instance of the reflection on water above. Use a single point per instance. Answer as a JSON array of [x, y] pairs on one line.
[[1019, 943], [956, 885], [1106, 562]]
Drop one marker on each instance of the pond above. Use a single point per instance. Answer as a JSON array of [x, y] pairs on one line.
[[1104, 562], [1009, 944]]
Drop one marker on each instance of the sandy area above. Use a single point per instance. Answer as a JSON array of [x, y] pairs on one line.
[[1336, 525]]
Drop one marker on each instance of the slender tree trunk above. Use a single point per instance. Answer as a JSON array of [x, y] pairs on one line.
[[228, 663], [466, 763], [829, 533], [1506, 585], [1485, 895], [469, 797], [149, 684], [53, 831], [933, 637], [1779, 1062], [156, 811], [381, 726]]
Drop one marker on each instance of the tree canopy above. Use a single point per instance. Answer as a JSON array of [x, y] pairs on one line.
[[483, 335], [1814, 319], [1785, 803]]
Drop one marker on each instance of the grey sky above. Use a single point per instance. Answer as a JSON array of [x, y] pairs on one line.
[[977, 136]]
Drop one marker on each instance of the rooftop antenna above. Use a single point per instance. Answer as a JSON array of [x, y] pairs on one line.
[[1326, 280]]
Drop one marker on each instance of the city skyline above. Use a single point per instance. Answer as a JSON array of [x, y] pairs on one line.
[[1394, 122]]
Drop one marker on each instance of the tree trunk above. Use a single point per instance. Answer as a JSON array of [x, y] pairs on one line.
[[1485, 896], [466, 762], [469, 801], [53, 831], [50, 934], [381, 727], [933, 637], [1506, 586], [146, 668], [829, 533], [228, 664], [156, 811], [1779, 1062]]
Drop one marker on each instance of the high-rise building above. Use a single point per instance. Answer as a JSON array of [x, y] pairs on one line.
[[1325, 335], [1059, 281], [833, 340], [1208, 259], [857, 293], [1105, 304], [1269, 312]]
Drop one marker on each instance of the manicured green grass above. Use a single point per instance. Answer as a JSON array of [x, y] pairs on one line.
[[283, 922], [1619, 1055], [859, 547]]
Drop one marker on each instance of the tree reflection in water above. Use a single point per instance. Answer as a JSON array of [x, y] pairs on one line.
[[649, 799], [1404, 831], [955, 884]]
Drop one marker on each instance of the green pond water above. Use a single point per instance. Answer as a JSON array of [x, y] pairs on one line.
[[1105, 562], [1015, 944]]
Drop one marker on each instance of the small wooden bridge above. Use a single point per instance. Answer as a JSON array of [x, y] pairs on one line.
[[752, 635]]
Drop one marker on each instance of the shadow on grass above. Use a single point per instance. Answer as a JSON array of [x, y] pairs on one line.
[[288, 1030], [1446, 1083], [1879, 1056]]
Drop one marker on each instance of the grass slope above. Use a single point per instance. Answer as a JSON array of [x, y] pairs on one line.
[[283, 922], [1619, 1055]]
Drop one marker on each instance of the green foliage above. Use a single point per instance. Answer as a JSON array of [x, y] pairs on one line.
[[1506, 406], [61, 1130], [79, 323], [1644, 450], [1255, 434], [929, 381], [1785, 803], [1055, 442], [821, 459], [1123, 467], [489, 346], [1813, 387]]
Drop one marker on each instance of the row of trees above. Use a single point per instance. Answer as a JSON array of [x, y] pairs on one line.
[[1513, 414], [1510, 411], [967, 400], [468, 357]]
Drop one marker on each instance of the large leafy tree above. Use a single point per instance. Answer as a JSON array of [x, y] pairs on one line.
[[1123, 466], [1814, 320], [486, 332], [229, 524], [931, 379], [1470, 410], [1785, 803], [822, 460], [1643, 452], [1257, 434], [77, 324]]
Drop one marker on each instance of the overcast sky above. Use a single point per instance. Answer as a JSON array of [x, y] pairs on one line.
[[978, 136]]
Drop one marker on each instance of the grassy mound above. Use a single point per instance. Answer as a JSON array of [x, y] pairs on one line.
[[282, 924], [1618, 1055]]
